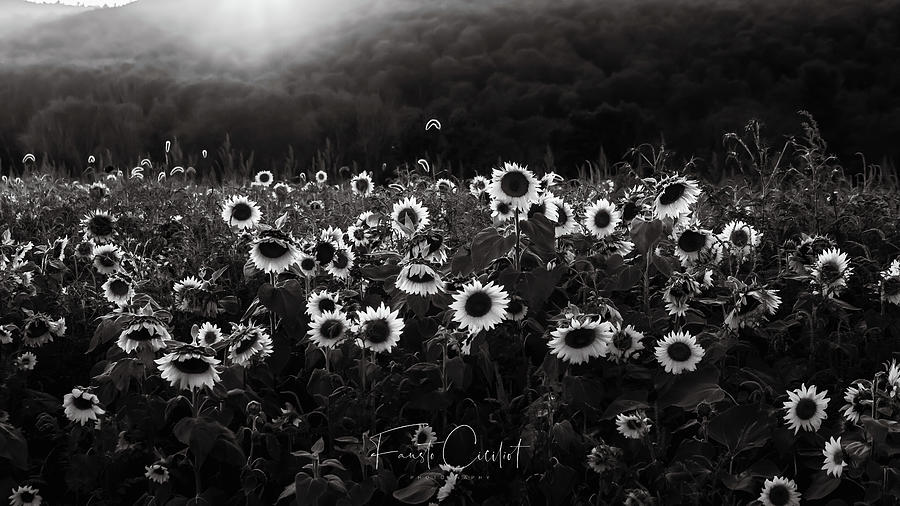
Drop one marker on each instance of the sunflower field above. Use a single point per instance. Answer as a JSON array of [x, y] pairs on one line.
[[514, 338]]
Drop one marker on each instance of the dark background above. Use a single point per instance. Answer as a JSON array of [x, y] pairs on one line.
[[512, 80]]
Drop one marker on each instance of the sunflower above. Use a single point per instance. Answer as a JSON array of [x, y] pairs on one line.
[[39, 330], [477, 186], [409, 217], [241, 212], [565, 217], [693, 243], [328, 329], [604, 458], [807, 252], [157, 472], [368, 219], [192, 294], [26, 361], [98, 190], [581, 341], [85, 250], [779, 492], [447, 488], [25, 496], [752, 307], [859, 402], [515, 185], [118, 290], [209, 334], [380, 328], [281, 191], [322, 302], [316, 205], [549, 180], [445, 185], [633, 426], [601, 218], [516, 310], [674, 197], [892, 370], [107, 259], [307, 264], [679, 290], [361, 184], [834, 458], [82, 406], [479, 307], [831, 271], [624, 343], [424, 436], [321, 177], [248, 343], [273, 251], [429, 247], [632, 204], [6, 333], [341, 263], [679, 352], [617, 243], [263, 178], [890, 283], [142, 331], [739, 239], [806, 408], [58, 249], [99, 226], [189, 367], [543, 205], [419, 279], [501, 210], [324, 251]]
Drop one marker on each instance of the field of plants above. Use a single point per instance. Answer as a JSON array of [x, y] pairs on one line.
[[639, 337]]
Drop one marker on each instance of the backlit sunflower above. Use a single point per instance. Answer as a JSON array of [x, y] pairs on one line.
[[581, 341], [806, 408], [189, 367], [679, 352], [831, 272], [380, 328], [409, 217], [779, 491], [107, 259], [835, 460], [479, 307], [633, 426], [273, 251], [263, 178], [82, 406], [39, 329], [320, 302], [361, 184], [99, 226], [118, 290], [478, 186], [514, 185], [674, 197], [329, 329], [565, 223], [858, 402], [419, 279], [341, 263], [601, 218], [241, 212], [209, 334], [624, 343], [248, 343], [144, 330], [739, 239]]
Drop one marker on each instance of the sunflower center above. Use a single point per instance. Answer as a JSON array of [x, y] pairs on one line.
[[107, 261], [503, 208], [892, 287], [779, 495], [423, 277], [141, 335], [341, 260], [422, 437], [838, 457], [209, 337], [264, 178], [37, 328], [246, 344], [271, 249], [26, 496], [327, 305], [677, 291], [308, 264], [739, 238], [241, 211], [671, 194], [679, 351], [514, 184], [101, 225], [806, 408], [633, 424], [82, 404], [580, 337], [191, 365], [622, 340], [629, 211], [362, 185], [377, 331], [408, 213], [514, 307], [331, 329], [478, 304], [324, 252], [119, 288], [561, 216], [602, 219], [691, 241], [830, 272]]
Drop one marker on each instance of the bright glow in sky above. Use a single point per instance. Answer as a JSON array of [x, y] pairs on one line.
[[90, 3]]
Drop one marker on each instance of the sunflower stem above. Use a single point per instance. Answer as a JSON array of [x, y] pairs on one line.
[[812, 338], [518, 258]]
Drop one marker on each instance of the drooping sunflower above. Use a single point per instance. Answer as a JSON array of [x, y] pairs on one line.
[[209, 334], [329, 329], [516, 310], [99, 226], [241, 212], [858, 402], [680, 289], [479, 307], [445, 185], [341, 263], [192, 294], [674, 197], [739, 239], [248, 343], [890, 283], [380, 328], [565, 217], [39, 329], [806, 408], [779, 491], [263, 178], [281, 191], [515, 185], [835, 461], [501, 210], [447, 488], [82, 406], [831, 271], [307, 264], [189, 367], [273, 251], [361, 184], [430, 247], [477, 186], [752, 306], [7, 332], [143, 330], [25, 496], [543, 205], [419, 279], [107, 259], [409, 217], [693, 243], [321, 302], [424, 436], [807, 252], [679, 352], [633, 426], [157, 472], [118, 289], [624, 343], [601, 218], [581, 341]]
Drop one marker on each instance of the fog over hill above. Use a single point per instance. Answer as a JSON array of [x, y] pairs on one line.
[[507, 79]]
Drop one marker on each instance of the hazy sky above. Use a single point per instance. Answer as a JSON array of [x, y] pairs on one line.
[[85, 2]]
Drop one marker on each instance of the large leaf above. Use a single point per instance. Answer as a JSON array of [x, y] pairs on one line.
[[542, 235], [106, 331], [308, 489], [536, 286], [628, 401], [287, 301], [742, 427], [821, 486], [688, 390], [645, 234], [488, 245], [201, 434], [417, 492], [13, 446]]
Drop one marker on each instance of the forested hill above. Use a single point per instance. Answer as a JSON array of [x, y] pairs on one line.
[[507, 79]]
